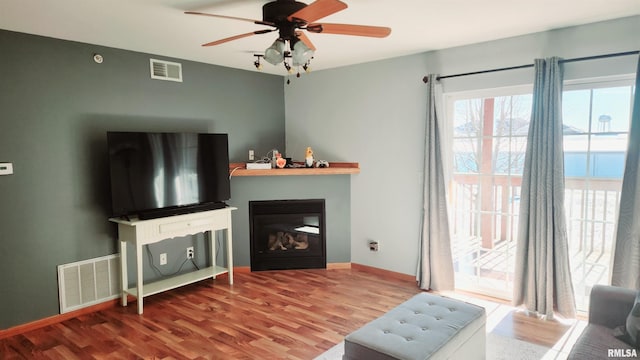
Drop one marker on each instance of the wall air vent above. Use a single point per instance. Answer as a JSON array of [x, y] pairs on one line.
[[165, 70], [88, 282]]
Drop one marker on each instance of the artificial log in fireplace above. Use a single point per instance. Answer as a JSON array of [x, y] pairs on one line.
[[287, 234]]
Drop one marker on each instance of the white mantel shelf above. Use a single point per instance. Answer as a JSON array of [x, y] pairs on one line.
[[335, 168]]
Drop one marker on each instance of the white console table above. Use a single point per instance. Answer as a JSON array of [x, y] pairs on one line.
[[144, 232]]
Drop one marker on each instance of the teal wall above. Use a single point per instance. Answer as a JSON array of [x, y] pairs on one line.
[[56, 105]]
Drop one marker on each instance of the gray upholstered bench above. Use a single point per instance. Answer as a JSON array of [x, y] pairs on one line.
[[426, 326]]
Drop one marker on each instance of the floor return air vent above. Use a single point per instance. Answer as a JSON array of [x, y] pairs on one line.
[[89, 282]]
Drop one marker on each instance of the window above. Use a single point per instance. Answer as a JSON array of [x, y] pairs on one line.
[[596, 118]]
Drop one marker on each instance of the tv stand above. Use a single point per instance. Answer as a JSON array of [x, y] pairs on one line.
[[145, 232]]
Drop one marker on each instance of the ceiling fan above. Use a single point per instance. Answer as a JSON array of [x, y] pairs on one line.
[[289, 17]]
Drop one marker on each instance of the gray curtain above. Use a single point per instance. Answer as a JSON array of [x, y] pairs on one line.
[[435, 265], [626, 262], [542, 274]]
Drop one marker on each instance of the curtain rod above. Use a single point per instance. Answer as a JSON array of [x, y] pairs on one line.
[[426, 78]]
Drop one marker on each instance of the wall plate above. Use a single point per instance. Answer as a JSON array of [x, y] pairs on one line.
[[6, 168]]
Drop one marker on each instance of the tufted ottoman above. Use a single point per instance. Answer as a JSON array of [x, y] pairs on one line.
[[424, 327]]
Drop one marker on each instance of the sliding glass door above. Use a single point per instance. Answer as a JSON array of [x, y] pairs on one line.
[[489, 140], [487, 134]]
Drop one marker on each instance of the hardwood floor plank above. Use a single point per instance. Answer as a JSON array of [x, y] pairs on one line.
[[522, 326], [294, 314]]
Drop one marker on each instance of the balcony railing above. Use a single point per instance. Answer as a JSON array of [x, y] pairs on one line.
[[484, 221]]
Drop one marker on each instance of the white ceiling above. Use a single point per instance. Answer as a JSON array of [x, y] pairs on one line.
[[161, 27]]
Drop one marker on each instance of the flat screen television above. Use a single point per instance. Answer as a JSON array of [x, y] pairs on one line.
[[162, 174]]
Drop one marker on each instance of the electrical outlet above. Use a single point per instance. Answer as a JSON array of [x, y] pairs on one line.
[[190, 252], [252, 155], [374, 245], [163, 259]]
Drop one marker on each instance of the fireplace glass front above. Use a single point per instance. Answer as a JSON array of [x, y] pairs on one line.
[[287, 234]]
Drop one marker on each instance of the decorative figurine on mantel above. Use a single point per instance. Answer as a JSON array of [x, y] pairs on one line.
[[280, 161], [308, 159]]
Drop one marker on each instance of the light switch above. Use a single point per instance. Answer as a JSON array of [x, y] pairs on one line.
[[6, 168]]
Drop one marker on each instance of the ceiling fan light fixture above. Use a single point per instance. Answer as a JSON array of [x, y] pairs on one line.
[[290, 18], [274, 54], [257, 63], [301, 53], [290, 70]]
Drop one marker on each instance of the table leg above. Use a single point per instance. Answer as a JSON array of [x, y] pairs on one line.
[[229, 254], [124, 281], [212, 239], [140, 291]]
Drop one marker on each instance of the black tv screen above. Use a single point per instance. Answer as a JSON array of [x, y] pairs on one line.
[[162, 174]]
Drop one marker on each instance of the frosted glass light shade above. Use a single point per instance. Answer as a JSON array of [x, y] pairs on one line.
[[301, 54], [275, 53]]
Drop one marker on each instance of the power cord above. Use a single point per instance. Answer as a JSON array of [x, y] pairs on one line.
[[264, 160], [268, 158], [217, 247], [234, 170]]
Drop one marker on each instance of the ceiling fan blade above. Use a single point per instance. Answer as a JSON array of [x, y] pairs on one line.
[[222, 41], [349, 29], [258, 22], [317, 10], [303, 37]]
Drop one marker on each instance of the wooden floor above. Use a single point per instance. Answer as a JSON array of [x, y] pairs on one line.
[[265, 315]]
